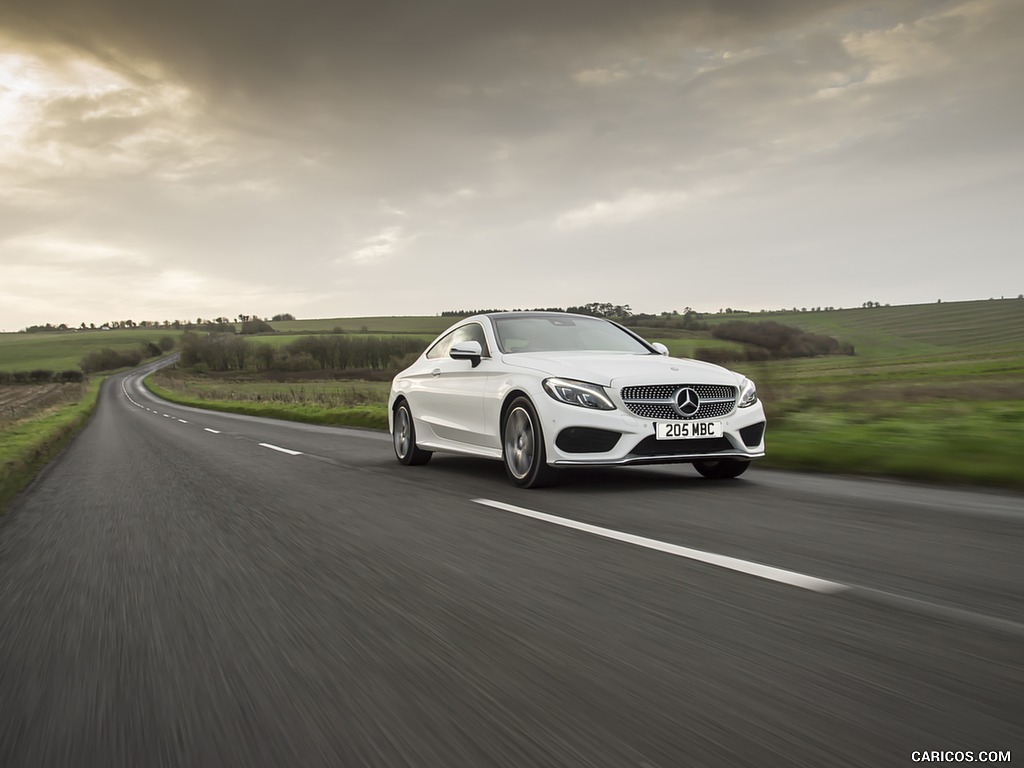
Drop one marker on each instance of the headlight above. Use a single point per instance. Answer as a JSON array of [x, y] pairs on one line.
[[748, 394], [578, 393]]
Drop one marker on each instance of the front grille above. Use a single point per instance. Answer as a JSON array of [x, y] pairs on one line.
[[657, 401], [586, 440], [651, 446]]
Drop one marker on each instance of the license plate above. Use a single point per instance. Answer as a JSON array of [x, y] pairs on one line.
[[681, 430]]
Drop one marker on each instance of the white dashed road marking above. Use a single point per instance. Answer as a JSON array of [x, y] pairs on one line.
[[214, 431], [282, 450]]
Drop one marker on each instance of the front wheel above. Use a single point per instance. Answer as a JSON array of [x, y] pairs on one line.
[[403, 434], [721, 469], [524, 455]]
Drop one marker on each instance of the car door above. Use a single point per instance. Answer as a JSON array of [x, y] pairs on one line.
[[451, 392]]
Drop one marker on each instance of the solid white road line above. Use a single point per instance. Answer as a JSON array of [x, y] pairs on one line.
[[282, 450], [878, 596], [733, 564], [214, 431]]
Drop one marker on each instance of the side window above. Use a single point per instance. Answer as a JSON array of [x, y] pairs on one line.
[[471, 332], [441, 347]]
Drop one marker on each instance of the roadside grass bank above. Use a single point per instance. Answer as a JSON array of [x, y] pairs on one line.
[[35, 437], [937, 418], [957, 431], [339, 404], [952, 442]]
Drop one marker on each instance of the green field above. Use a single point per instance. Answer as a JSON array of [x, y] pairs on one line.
[[964, 327], [58, 351], [934, 392], [945, 407]]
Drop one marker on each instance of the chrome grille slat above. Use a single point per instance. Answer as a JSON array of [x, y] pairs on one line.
[[656, 401]]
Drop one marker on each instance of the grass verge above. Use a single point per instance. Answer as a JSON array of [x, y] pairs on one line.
[[28, 444], [368, 416], [965, 443]]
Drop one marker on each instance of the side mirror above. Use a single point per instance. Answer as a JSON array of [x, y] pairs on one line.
[[661, 348], [467, 350]]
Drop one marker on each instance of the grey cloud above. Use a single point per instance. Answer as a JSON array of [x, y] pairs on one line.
[[303, 117], [252, 50]]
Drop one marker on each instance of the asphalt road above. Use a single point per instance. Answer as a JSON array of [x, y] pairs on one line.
[[178, 590]]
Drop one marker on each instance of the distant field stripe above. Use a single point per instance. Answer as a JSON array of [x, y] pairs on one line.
[[282, 450], [214, 431]]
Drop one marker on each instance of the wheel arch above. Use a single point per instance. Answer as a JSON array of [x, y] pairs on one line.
[[512, 395]]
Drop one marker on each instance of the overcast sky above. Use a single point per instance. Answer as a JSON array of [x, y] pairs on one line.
[[216, 157]]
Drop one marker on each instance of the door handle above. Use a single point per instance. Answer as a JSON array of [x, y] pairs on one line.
[[436, 372]]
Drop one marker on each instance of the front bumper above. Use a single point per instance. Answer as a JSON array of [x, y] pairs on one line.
[[578, 437]]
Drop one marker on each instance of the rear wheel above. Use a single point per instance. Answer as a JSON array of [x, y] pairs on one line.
[[524, 455], [403, 434], [721, 469]]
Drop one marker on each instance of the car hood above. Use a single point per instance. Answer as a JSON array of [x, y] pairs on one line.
[[622, 369]]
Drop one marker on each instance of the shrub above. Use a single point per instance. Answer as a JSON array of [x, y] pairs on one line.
[[40, 376], [780, 340], [256, 325], [70, 376], [166, 344], [332, 352], [108, 359]]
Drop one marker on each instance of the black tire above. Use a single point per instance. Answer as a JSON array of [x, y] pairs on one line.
[[721, 469], [403, 437], [522, 443]]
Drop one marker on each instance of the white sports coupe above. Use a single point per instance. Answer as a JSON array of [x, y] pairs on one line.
[[542, 390]]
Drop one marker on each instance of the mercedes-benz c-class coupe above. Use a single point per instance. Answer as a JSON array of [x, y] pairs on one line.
[[543, 390]]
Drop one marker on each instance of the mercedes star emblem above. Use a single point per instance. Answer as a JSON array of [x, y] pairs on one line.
[[687, 401]]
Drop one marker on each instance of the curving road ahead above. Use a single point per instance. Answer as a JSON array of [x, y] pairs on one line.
[[187, 588]]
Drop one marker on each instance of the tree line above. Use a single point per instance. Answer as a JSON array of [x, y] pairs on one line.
[[217, 324]]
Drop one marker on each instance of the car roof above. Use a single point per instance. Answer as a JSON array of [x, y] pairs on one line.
[[530, 313]]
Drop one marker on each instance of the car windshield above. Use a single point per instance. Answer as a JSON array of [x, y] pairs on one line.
[[564, 334]]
